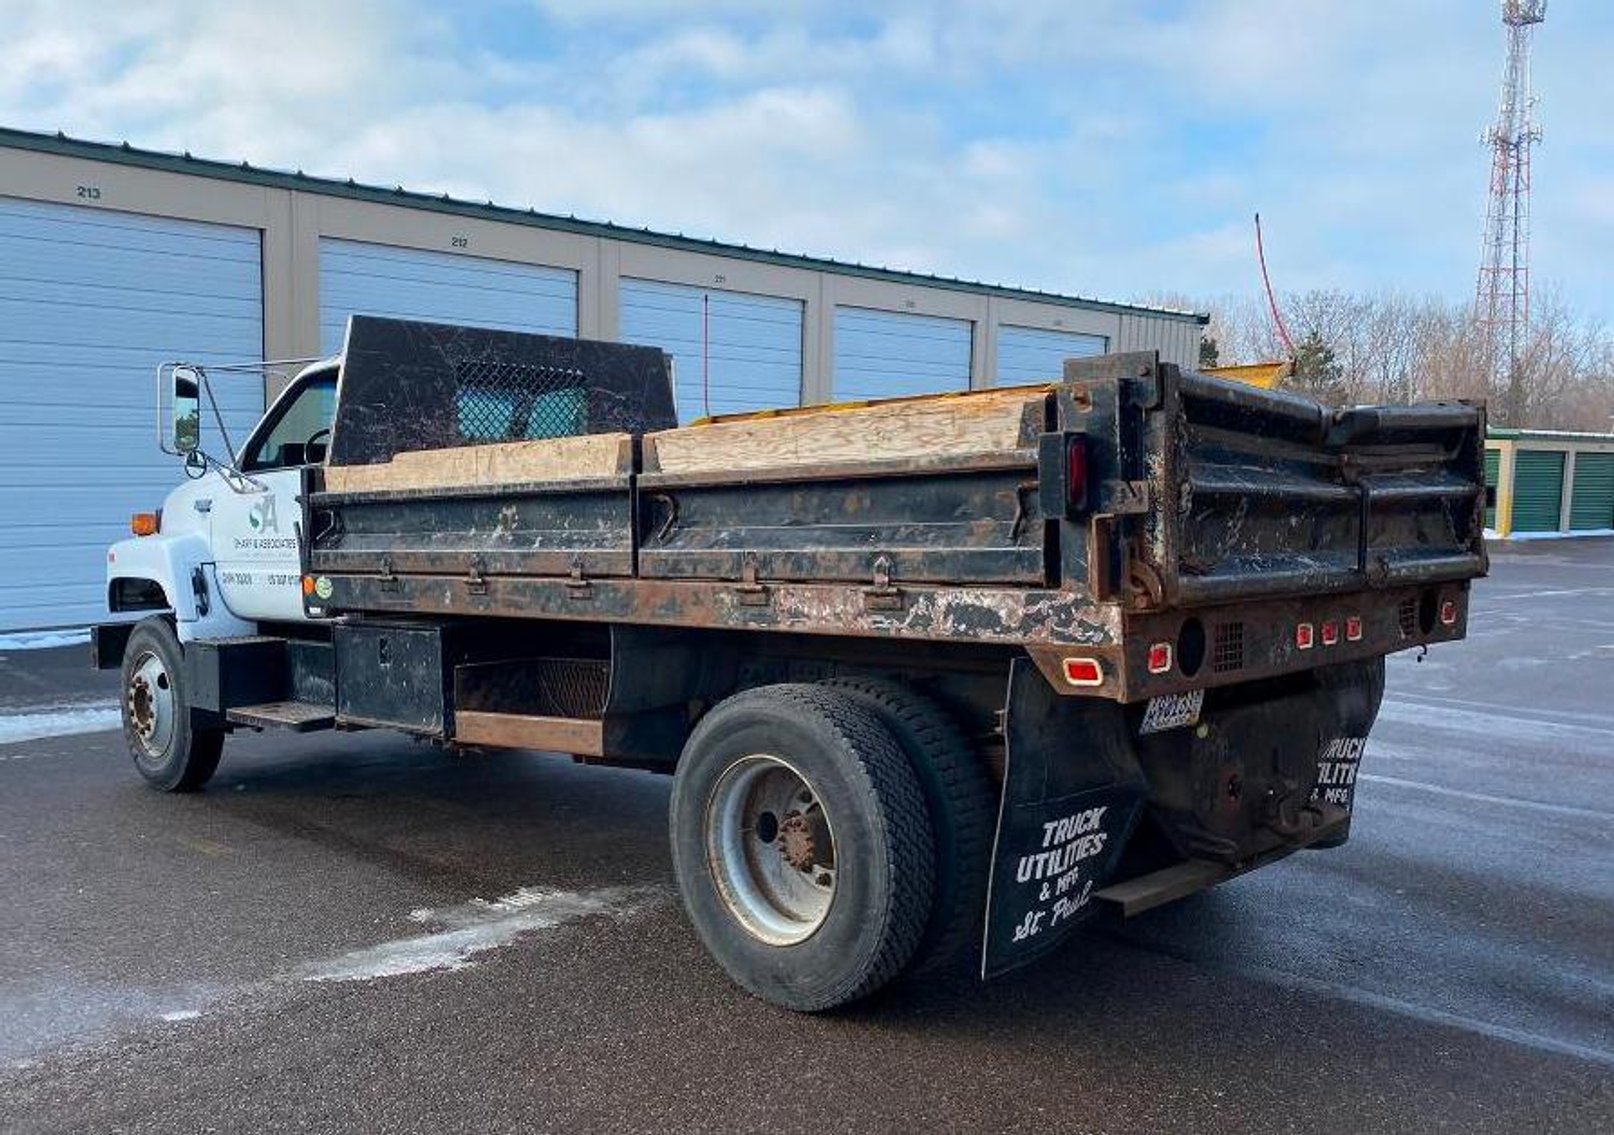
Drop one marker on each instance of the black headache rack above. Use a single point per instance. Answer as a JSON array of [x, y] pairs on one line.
[[408, 386], [1230, 493]]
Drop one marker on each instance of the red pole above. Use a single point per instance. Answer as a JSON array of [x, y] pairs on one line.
[[1272, 300]]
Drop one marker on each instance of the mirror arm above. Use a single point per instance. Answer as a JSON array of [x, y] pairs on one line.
[[218, 418], [234, 479]]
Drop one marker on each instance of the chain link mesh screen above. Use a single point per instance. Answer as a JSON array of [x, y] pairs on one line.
[[498, 400], [409, 386]]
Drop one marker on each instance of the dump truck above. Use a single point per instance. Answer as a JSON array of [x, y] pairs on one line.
[[935, 678]]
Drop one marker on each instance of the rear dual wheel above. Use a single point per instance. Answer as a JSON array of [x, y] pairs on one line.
[[803, 845]]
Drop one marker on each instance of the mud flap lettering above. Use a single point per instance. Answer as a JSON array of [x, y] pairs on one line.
[[1071, 795], [1337, 765], [1051, 856]]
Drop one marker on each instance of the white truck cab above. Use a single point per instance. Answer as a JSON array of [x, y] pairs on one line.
[[225, 554], [217, 570]]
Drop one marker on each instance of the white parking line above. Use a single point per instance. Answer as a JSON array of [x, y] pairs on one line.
[[1487, 798]]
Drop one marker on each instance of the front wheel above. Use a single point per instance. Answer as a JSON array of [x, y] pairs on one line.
[[168, 749], [802, 845]]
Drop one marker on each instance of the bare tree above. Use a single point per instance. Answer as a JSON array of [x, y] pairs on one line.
[[1392, 347]]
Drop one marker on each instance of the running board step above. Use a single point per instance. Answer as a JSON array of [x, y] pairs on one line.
[[297, 716]]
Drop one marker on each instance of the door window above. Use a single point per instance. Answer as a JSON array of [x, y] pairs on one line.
[[300, 432]]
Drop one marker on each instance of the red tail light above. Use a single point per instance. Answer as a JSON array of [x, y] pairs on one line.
[[1304, 636], [1084, 672], [1353, 628], [1076, 473], [1330, 633], [1448, 613], [1160, 658]]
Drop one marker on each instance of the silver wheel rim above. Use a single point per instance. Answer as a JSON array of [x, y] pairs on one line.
[[771, 849], [149, 705]]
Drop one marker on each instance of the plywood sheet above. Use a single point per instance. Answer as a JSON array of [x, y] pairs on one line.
[[989, 421], [507, 463]]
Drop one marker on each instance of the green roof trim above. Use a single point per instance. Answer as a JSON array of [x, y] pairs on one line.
[[1500, 433], [125, 154]]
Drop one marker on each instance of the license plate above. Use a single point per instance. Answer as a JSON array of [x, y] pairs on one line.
[[1172, 711]]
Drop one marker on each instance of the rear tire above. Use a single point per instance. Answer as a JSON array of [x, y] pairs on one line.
[[963, 804], [168, 749], [802, 845]]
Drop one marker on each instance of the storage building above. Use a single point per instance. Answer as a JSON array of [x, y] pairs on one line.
[[114, 259], [1550, 481]]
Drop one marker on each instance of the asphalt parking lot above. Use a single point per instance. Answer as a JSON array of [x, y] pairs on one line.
[[358, 933]]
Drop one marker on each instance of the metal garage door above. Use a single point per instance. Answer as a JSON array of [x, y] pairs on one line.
[[1538, 489], [1591, 499], [885, 354], [90, 302], [408, 283], [1031, 354], [734, 351]]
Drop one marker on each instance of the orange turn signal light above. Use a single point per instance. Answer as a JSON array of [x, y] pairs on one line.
[[308, 585], [144, 523]]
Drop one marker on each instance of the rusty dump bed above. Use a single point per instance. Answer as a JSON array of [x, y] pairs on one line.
[[491, 473]]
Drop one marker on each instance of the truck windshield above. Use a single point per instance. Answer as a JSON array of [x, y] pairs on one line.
[[300, 429]]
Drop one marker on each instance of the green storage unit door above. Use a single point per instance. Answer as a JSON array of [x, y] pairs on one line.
[[1493, 468], [1591, 498], [1538, 490]]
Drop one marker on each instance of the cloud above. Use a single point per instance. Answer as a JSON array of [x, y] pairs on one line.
[[1099, 148]]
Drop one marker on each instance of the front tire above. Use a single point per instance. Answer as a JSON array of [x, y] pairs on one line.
[[802, 846], [168, 749]]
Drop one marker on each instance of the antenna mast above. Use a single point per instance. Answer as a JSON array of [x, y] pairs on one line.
[[1502, 293]]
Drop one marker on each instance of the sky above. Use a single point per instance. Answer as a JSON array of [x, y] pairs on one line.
[[1093, 147]]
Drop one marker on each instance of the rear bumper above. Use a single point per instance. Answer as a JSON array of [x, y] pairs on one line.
[[1251, 641]]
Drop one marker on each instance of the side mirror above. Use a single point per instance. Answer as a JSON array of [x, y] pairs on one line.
[[187, 410]]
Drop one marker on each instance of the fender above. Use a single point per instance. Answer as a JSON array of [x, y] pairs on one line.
[[171, 562]]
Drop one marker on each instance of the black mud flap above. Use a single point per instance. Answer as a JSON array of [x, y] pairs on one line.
[[1354, 694], [1072, 793]]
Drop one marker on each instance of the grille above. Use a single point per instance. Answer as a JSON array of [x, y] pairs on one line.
[[1227, 652], [499, 400], [570, 687], [1407, 615]]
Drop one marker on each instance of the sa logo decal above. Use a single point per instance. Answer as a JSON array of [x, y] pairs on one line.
[[262, 517]]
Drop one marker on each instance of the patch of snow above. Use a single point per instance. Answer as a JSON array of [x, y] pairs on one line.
[[176, 1015], [474, 928], [57, 721], [42, 640]]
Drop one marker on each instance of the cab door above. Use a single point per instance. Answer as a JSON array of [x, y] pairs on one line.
[[254, 523]]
